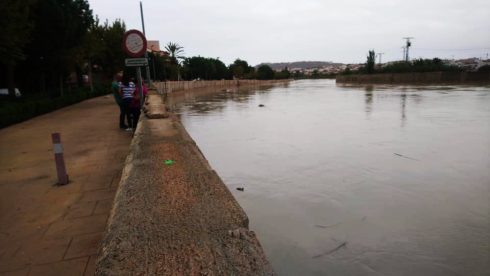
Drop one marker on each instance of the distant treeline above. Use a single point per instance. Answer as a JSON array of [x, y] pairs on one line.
[[56, 52], [300, 65], [203, 68], [52, 47], [414, 66]]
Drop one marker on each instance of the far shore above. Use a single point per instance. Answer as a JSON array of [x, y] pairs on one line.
[[418, 78]]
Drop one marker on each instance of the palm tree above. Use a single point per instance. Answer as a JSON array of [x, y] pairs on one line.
[[175, 51]]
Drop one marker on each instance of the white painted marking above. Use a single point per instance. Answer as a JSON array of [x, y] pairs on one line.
[[58, 148]]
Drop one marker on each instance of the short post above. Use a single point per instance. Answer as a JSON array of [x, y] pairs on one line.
[[59, 160]]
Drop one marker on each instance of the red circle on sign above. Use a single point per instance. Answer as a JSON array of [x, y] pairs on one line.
[[134, 43]]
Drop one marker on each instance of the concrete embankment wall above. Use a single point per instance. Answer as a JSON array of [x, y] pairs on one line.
[[171, 86], [172, 214], [418, 78]]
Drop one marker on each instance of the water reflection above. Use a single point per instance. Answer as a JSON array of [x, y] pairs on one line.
[[403, 97], [369, 99], [369, 91], [334, 185], [210, 100]]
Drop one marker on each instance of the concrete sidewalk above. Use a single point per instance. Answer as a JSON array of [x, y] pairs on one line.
[[56, 230]]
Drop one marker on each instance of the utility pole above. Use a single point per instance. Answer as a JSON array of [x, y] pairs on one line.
[[379, 55], [407, 47], [146, 50]]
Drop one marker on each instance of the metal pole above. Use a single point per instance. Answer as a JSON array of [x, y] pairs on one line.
[[146, 53], [379, 55], [153, 65], [140, 86]]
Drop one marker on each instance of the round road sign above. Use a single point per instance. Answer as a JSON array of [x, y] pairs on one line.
[[134, 43]]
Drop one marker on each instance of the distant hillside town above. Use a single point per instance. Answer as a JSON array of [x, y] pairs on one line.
[[311, 68]]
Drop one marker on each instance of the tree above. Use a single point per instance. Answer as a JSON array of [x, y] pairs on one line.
[[204, 68], [113, 53], [284, 74], [159, 65], [420, 65], [175, 51], [221, 69], [370, 62], [100, 48], [59, 29], [15, 34], [240, 69], [265, 72]]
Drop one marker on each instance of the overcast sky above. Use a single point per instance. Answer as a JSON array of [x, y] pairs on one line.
[[313, 30]]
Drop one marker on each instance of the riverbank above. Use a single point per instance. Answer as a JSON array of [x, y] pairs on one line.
[[418, 78], [172, 213], [174, 86]]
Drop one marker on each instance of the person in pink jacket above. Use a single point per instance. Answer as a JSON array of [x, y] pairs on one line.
[[136, 104]]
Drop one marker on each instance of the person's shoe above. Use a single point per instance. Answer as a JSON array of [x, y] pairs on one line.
[[129, 129]]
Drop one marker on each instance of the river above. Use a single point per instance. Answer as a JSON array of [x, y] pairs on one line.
[[355, 180]]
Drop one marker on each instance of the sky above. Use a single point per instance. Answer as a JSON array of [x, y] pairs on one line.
[[310, 30]]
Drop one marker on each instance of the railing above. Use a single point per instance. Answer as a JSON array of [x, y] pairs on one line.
[[172, 86]]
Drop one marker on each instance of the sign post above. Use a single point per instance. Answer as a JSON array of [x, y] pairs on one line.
[[135, 44], [146, 53], [136, 62]]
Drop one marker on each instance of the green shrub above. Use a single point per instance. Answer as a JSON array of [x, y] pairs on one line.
[[13, 111]]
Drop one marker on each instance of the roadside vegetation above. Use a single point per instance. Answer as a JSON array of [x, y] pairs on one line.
[[57, 52], [414, 66]]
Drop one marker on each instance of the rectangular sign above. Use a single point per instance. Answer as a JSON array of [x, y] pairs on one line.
[[136, 61]]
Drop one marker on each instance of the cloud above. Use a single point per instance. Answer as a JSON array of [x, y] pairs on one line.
[[273, 30]]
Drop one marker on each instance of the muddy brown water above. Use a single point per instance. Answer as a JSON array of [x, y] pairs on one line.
[[355, 180]]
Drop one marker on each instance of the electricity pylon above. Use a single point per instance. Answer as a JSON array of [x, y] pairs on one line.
[[407, 47], [379, 55]]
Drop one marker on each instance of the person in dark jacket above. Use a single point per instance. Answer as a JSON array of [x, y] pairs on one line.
[[117, 97], [126, 91]]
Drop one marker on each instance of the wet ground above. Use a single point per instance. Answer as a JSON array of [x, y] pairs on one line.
[[356, 180], [46, 229]]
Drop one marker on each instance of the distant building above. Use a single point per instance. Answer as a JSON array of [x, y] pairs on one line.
[[153, 46], [469, 64]]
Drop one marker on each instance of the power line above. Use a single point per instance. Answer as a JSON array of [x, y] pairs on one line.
[[469, 49]]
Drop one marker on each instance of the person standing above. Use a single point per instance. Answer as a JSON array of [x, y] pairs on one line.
[[126, 91], [117, 97], [136, 104]]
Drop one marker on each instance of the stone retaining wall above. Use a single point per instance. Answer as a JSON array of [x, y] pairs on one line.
[[178, 217], [171, 86]]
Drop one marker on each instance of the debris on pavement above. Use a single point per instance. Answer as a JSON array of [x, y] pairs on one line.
[[169, 162]]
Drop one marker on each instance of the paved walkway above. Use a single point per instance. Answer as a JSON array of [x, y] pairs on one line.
[[56, 230]]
